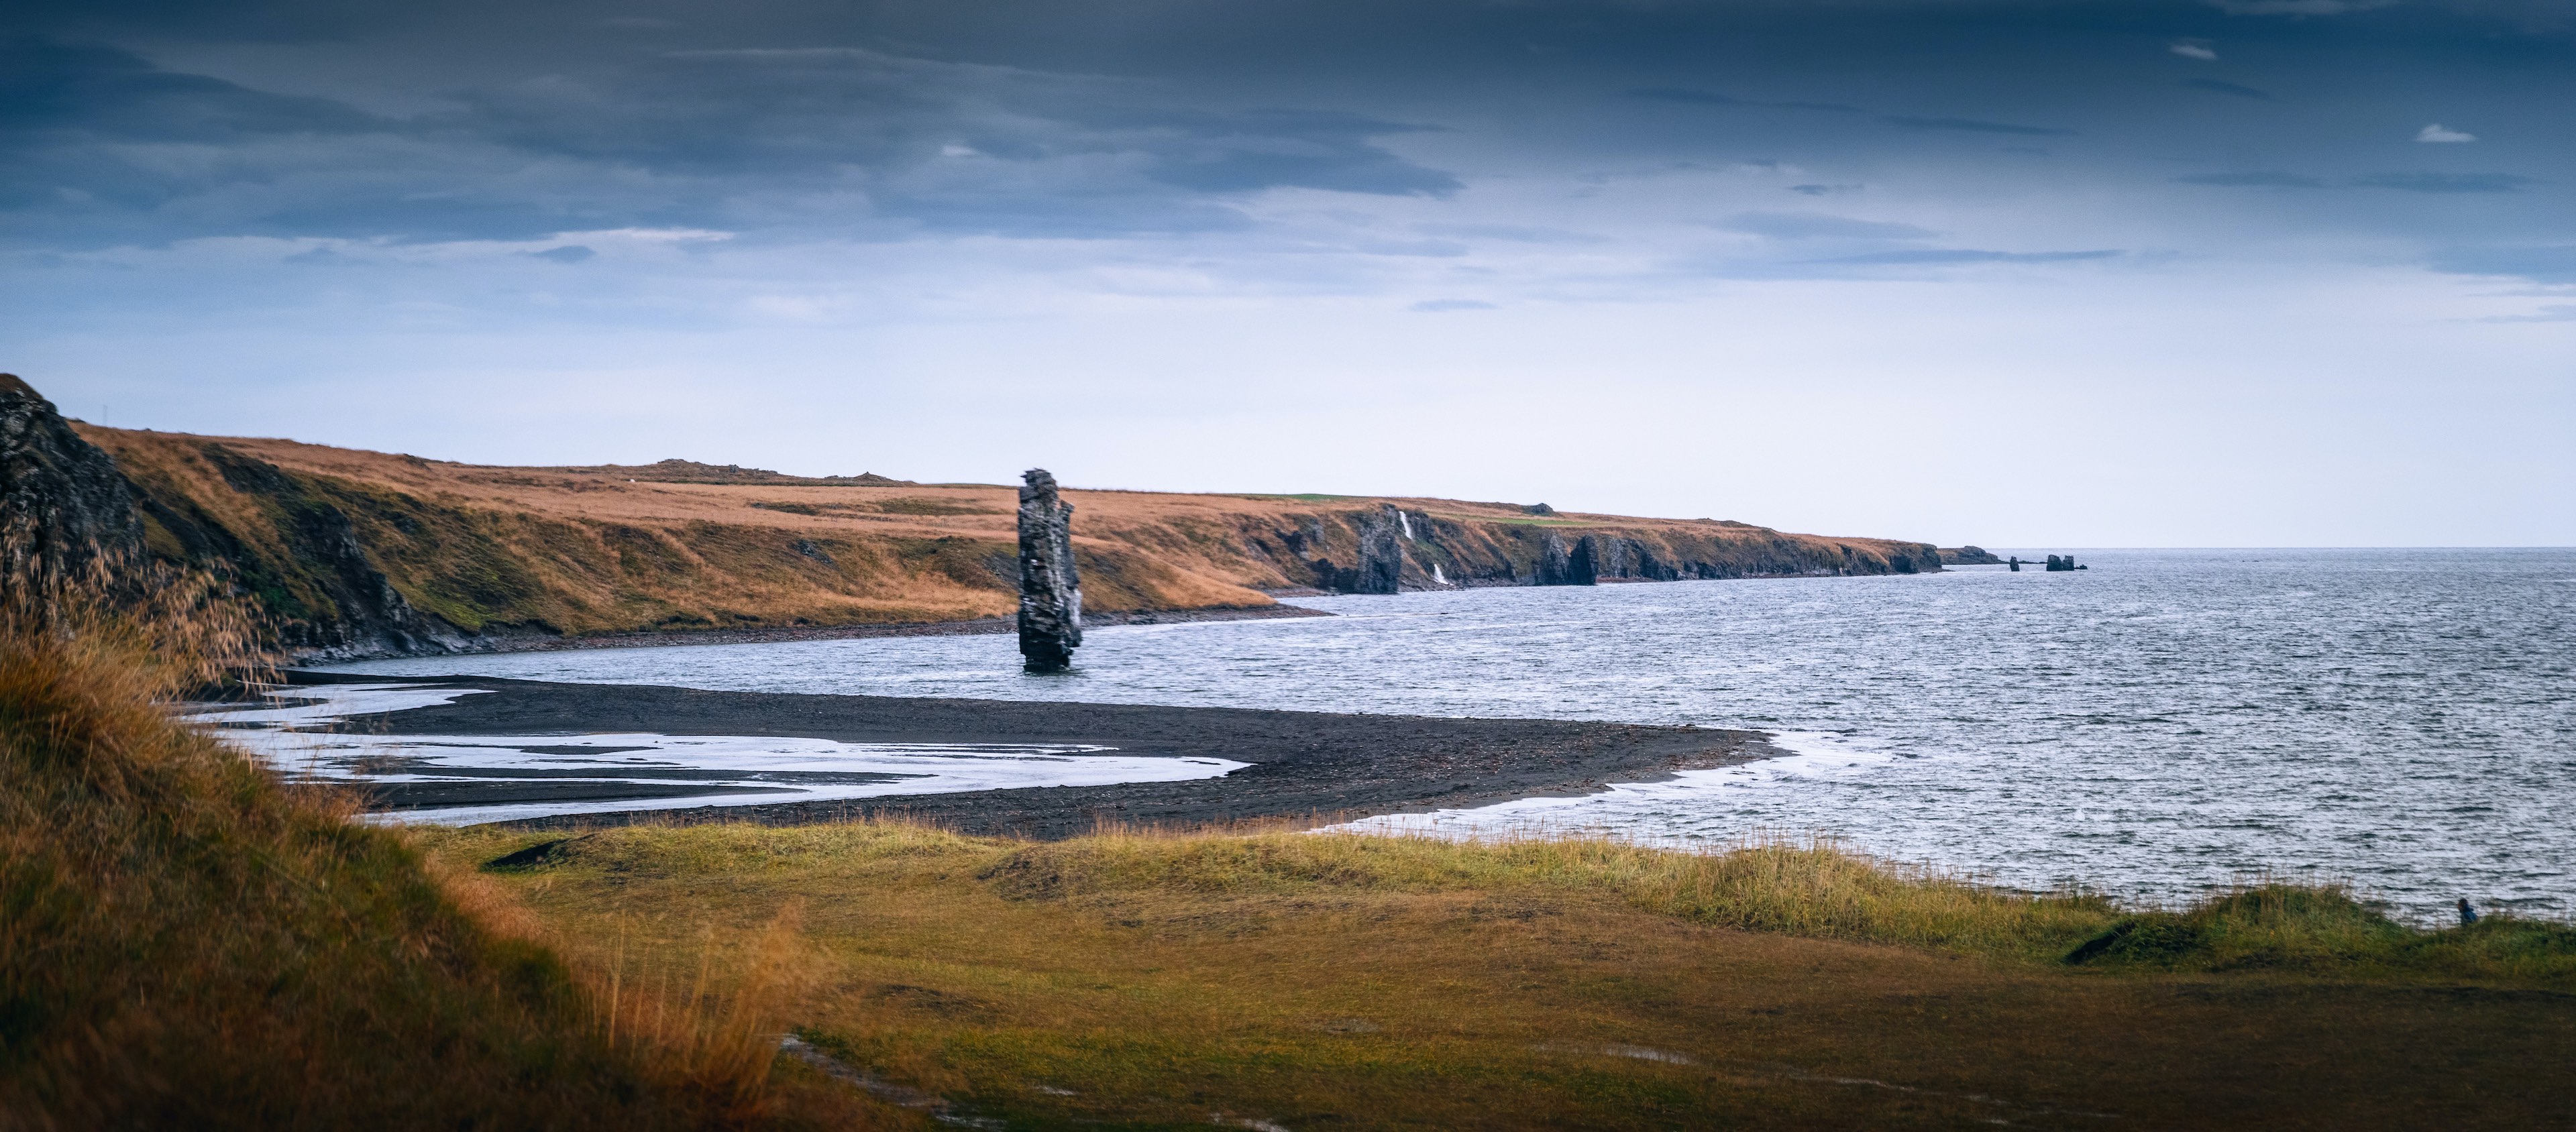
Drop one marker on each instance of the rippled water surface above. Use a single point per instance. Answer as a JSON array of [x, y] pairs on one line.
[[2165, 722]]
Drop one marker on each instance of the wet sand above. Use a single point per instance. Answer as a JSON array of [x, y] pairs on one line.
[[1303, 764]]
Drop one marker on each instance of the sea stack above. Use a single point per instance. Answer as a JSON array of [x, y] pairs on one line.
[[1050, 591]]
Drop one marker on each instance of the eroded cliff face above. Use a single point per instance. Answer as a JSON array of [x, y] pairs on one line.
[[361, 553], [63, 504], [1434, 551]]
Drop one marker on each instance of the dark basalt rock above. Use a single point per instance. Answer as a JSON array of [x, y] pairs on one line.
[[360, 615], [1561, 565], [1050, 590], [63, 504], [1380, 565], [1381, 553], [1968, 556]]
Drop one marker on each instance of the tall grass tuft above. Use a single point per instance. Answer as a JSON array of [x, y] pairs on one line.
[[1803, 887], [2326, 928], [183, 943]]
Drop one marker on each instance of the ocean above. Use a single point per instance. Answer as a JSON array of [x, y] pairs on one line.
[[2161, 725]]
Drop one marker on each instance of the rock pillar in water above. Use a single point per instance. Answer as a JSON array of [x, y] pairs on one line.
[[1050, 591], [63, 504]]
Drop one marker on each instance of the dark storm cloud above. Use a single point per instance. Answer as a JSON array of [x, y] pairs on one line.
[[150, 121], [101, 142]]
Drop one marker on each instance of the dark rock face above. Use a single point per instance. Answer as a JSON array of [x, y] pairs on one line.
[[1050, 591], [63, 504], [1561, 565], [360, 614], [2056, 563], [1969, 556], [1381, 553], [1380, 565]]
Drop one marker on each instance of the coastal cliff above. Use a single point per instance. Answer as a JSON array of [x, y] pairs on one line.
[[368, 554]]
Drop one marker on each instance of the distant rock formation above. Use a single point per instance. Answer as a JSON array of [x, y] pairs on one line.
[[1381, 553], [1050, 590], [1969, 556], [1560, 565], [1378, 564], [63, 504], [2067, 563]]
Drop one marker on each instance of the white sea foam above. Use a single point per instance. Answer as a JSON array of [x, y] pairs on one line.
[[717, 770], [1806, 756]]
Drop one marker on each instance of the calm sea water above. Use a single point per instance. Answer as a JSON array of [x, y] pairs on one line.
[[2164, 723]]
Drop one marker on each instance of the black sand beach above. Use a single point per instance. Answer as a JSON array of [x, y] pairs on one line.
[[1303, 763]]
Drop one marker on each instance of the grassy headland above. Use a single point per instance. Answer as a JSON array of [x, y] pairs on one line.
[[362, 551], [1294, 980]]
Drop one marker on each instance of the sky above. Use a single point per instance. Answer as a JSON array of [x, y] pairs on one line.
[[2041, 273]]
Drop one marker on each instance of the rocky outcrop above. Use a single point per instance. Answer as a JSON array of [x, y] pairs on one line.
[[1969, 556], [1377, 558], [63, 505], [1050, 590], [1381, 567], [1563, 565], [338, 605]]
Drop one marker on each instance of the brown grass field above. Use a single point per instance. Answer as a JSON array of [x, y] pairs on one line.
[[1308, 981], [684, 547]]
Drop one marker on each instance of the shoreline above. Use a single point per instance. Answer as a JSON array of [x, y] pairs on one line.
[[1301, 765], [505, 642]]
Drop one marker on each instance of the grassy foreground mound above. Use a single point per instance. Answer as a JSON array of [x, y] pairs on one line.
[[1291, 980], [184, 945]]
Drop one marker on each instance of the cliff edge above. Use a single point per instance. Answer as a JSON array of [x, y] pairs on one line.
[[358, 553]]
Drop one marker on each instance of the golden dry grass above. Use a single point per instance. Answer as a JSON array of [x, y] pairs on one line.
[[581, 551], [183, 944], [1307, 981]]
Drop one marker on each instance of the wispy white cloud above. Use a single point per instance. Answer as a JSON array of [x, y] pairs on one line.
[[2558, 313], [2194, 49], [2438, 132]]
